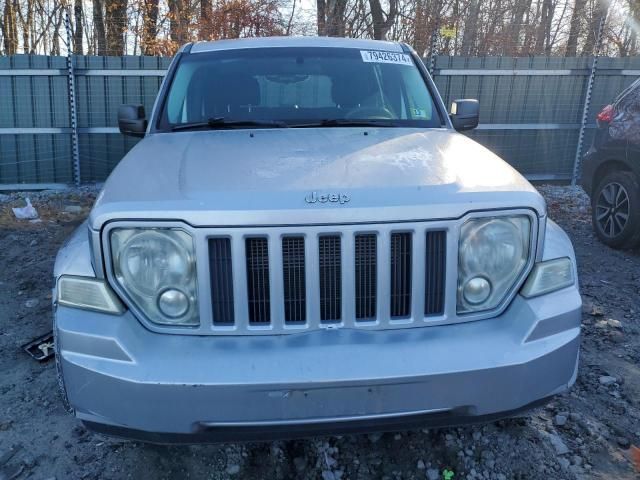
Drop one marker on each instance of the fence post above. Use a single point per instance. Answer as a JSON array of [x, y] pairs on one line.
[[71, 84], [432, 52], [587, 102]]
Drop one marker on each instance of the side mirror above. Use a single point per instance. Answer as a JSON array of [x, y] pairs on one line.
[[464, 114], [131, 120]]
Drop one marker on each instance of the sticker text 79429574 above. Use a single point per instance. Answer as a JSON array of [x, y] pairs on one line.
[[378, 56]]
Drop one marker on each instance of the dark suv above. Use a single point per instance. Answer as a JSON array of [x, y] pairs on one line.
[[611, 171]]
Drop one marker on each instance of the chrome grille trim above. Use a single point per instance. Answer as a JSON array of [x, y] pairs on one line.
[[365, 259], [400, 267], [221, 276], [330, 269], [435, 272], [311, 234], [258, 291], [293, 275]]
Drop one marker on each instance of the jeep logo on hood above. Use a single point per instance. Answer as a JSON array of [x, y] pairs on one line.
[[315, 197]]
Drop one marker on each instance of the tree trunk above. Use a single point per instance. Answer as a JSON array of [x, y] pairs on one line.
[[149, 27], [25, 22], [177, 31], [381, 25], [116, 23], [522, 7], [55, 40], [333, 20], [575, 27], [10, 28], [78, 33], [544, 28], [421, 27], [206, 17], [98, 26], [599, 12], [634, 8], [470, 29], [322, 15]]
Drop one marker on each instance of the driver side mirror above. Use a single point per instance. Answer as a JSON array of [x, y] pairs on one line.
[[464, 114], [131, 120]]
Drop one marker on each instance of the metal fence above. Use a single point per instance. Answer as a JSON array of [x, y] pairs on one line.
[[531, 108], [58, 120]]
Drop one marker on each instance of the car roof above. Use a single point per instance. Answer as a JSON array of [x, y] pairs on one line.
[[271, 42], [627, 90]]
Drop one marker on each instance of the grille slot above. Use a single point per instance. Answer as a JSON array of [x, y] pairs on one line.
[[400, 274], [221, 274], [365, 274], [293, 273], [257, 253], [329, 257], [435, 272]]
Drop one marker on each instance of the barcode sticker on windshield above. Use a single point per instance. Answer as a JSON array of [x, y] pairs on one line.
[[385, 57]]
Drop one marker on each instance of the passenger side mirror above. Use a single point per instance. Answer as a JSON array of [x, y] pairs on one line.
[[464, 114], [131, 120]]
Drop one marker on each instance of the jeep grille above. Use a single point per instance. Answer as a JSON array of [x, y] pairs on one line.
[[323, 278]]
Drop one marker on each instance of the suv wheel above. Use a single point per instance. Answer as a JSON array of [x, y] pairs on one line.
[[615, 210]]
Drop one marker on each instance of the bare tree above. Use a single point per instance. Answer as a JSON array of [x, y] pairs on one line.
[[206, 17], [25, 23], [575, 27], [331, 17], [291, 18], [10, 27], [78, 32], [519, 12], [599, 11], [543, 34], [471, 28], [116, 25], [149, 27], [99, 27], [455, 27], [177, 21], [382, 22]]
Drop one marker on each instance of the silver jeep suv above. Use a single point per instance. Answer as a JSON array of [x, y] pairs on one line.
[[302, 243]]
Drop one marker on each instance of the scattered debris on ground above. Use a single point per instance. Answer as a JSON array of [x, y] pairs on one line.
[[591, 432], [25, 213], [41, 348]]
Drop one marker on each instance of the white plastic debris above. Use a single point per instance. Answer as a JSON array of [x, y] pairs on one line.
[[25, 213]]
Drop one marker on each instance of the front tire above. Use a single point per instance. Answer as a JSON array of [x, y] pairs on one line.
[[615, 210]]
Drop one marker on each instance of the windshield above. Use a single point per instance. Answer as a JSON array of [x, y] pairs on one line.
[[297, 87]]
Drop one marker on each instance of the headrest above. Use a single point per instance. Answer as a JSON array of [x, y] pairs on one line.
[[240, 90], [348, 93]]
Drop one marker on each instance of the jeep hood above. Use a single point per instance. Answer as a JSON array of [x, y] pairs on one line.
[[262, 177]]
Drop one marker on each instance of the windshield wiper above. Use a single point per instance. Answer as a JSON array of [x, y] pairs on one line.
[[346, 122], [221, 122]]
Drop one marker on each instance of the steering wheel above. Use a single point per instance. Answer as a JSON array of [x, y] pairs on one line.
[[370, 113]]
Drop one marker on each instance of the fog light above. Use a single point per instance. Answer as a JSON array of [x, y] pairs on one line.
[[173, 303], [477, 290]]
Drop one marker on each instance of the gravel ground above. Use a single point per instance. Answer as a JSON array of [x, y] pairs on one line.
[[589, 432]]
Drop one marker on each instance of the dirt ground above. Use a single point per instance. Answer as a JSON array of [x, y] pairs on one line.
[[587, 433]]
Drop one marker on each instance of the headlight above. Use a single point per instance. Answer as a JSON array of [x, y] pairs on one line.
[[156, 268], [493, 252]]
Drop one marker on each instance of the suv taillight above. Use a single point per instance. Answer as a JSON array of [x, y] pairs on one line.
[[606, 114]]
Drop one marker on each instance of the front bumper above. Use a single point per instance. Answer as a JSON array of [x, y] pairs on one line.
[[122, 378]]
